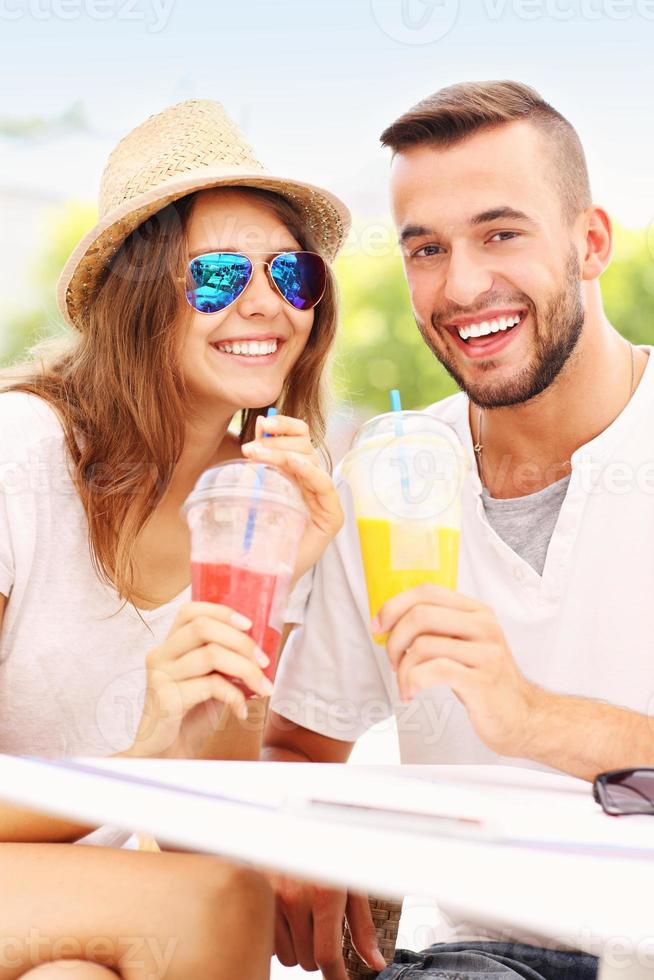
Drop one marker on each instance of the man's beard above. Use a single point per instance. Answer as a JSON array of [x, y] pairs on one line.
[[562, 322]]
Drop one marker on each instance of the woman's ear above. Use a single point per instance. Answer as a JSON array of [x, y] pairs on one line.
[[598, 243]]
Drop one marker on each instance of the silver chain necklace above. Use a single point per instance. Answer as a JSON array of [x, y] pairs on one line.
[[478, 446]]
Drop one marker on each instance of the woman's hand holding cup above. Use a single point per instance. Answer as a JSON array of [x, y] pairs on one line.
[[294, 453], [188, 680]]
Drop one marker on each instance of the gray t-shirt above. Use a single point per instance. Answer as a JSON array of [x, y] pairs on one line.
[[526, 523]]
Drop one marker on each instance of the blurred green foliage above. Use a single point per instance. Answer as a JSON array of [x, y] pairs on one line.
[[379, 346], [63, 229], [628, 285]]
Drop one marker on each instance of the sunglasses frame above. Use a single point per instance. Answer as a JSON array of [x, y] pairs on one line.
[[267, 263], [601, 789]]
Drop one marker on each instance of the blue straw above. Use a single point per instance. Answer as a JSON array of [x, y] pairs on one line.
[[396, 406], [258, 484]]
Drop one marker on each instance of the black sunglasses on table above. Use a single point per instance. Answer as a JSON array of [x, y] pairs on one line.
[[623, 791]]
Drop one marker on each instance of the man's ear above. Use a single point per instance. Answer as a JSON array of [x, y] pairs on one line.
[[598, 243]]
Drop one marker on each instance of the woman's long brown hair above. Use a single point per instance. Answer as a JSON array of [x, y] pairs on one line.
[[118, 389]]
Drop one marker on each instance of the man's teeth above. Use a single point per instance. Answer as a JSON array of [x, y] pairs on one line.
[[487, 326], [249, 348]]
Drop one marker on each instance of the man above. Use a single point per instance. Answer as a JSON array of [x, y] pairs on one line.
[[543, 656]]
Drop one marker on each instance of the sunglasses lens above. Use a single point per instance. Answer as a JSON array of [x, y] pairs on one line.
[[216, 280], [301, 278], [631, 792]]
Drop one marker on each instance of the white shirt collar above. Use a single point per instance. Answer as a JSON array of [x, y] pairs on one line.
[[455, 411]]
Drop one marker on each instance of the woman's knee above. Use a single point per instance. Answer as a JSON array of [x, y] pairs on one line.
[[219, 884], [229, 917], [249, 887], [70, 970], [248, 893]]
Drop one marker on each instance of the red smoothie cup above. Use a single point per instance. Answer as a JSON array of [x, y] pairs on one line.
[[246, 522]]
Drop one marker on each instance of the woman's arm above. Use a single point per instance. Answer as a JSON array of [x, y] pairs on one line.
[[21, 826], [232, 738]]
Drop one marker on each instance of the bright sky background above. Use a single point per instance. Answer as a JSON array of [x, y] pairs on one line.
[[313, 82]]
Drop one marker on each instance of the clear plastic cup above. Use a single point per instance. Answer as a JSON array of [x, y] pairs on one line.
[[406, 471], [246, 522]]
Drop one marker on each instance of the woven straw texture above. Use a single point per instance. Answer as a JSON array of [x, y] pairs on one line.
[[188, 147], [386, 916], [184, 138]]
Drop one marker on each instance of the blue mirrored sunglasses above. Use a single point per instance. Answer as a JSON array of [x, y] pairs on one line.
[[214, 281]]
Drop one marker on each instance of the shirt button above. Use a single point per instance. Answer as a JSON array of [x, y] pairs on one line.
[[518, 574]]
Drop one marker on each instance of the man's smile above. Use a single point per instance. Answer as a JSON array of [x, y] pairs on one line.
[[480, 337]]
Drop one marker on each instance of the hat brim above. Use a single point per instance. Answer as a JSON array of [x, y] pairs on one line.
[[326, 214]]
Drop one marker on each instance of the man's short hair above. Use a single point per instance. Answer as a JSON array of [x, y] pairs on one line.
[[458, 111]]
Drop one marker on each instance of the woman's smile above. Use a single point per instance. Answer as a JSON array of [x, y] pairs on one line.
[[250, 351]]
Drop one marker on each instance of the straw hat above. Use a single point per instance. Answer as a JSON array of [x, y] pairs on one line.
[[188, 147]]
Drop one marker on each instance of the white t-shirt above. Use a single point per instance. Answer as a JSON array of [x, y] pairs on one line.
[[72, 654], [584, 628]]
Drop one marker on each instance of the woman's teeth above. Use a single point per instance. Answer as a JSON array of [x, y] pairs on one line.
[[249, 348], [488, 326]]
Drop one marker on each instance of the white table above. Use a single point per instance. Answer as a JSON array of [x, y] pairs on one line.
[[600, 903]]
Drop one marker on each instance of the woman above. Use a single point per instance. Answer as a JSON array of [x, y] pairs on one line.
[[202, 293]]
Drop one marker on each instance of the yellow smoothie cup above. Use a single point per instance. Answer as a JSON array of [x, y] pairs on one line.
[[406, 470]]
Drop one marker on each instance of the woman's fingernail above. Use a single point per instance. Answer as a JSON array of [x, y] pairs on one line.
[[242, 711], [240, 622], [266, 687], [270, 424], [375, 625], [300, 460], [262, 451], [261, 658]]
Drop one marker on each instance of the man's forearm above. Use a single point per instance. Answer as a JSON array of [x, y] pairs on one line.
[[583, 737], [285, 741]]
